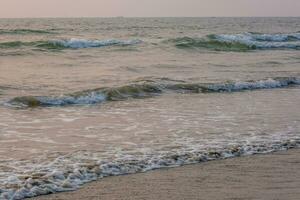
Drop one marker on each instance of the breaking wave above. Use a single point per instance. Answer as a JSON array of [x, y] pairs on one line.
[[241, 42], [288, 37], [83, 43], [67, 173], [90, 96], [149, 88], [68, 44]]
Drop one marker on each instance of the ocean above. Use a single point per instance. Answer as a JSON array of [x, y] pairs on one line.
[[87, 98]]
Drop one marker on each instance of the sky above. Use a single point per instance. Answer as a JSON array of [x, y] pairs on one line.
[[147, 8]]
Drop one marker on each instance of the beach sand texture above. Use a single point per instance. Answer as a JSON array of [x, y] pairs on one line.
[[267, 177]]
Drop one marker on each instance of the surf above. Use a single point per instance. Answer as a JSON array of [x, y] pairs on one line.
[[73, 43], [149, 88], [240, 42]]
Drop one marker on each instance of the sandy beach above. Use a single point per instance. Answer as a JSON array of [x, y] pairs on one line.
[[272, 176]]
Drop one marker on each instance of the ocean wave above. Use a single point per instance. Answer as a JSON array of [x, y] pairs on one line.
[[67, 173], [212, 44], [83, 43], [241, 42], [248, 36], [13, 44], [67, 44], [24, 31], [149, 88], [90, 96]]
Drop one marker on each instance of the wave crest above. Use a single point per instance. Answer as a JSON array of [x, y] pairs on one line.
[[248, 36], [212, 44], [68, 44], [83, 43], [241, 42], [144, 89]]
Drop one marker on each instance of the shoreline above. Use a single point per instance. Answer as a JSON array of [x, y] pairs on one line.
[[265, 176]]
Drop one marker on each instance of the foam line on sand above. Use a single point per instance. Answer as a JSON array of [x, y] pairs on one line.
[[268, 177]]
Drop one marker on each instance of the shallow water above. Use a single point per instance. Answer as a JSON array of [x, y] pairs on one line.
[[83, 99]]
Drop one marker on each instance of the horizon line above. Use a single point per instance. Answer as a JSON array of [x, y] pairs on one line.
[[77, 17]]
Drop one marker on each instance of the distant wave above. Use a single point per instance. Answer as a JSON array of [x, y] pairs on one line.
[[211, 44], [148, 88], [241, 42], [288, 37], [83, 43], [23, 31], [68, 44]]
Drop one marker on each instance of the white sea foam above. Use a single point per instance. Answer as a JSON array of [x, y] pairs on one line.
[[89, 98], [275, 37], [69, 172], [83, 43], [263, 41], [252, 85]]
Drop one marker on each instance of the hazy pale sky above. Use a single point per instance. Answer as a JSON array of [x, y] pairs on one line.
[[147, 8]]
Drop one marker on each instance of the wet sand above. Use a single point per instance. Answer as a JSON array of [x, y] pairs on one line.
[[273, 176]]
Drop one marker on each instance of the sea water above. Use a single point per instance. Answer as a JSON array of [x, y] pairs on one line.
[[83, 99]]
